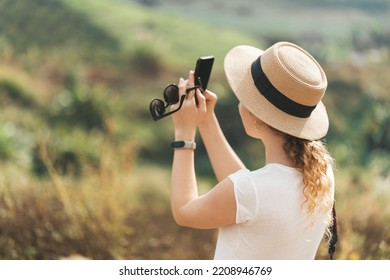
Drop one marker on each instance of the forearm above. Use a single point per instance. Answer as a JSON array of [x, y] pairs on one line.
[[222, 157], [214, 209], [183, 182]]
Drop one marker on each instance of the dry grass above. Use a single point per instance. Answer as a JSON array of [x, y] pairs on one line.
[[115, 212], [121, 211]]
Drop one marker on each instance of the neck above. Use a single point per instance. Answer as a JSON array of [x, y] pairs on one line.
[[274, 152]]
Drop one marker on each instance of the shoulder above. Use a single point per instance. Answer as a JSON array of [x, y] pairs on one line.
[[271, 171], [269, 182], [236, 176]]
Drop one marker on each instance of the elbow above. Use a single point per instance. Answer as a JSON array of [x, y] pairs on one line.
[[191, 220], [180, 219]]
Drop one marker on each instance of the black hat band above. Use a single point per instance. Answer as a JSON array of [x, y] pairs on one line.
[[278, 99]]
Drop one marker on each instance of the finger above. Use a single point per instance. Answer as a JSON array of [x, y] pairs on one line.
[[190, 97], [191, 94], [201, 100], [182, 86], [191, 78]]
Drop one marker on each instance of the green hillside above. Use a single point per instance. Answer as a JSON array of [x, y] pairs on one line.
[[329, 29], [50, 25], [174, 39]]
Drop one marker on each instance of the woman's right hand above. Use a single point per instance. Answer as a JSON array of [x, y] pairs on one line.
[[211, 101]]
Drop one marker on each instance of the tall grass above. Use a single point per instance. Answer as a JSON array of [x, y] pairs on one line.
[[115, 211], [120, 210], [364, 214]]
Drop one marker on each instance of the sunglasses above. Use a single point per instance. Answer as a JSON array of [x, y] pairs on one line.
[[171, 96]]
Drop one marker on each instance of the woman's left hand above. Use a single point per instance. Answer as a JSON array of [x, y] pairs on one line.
[[188, 117]]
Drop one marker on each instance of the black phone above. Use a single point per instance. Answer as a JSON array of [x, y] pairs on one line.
[[203, 68]]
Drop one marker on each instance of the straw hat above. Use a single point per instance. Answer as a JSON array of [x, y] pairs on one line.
[[283, 86]]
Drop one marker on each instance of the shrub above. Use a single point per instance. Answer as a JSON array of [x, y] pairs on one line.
[[146, 61], [12, 91], [82, 106]]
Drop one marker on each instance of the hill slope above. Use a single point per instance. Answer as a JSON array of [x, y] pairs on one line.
[[178, 40], [48, 24]]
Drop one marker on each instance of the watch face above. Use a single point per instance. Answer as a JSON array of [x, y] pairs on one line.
[[178, 144]]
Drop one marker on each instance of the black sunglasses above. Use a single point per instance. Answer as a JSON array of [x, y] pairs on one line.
[[171, 96]]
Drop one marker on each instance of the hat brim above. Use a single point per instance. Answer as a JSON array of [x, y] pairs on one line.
[[237, 67]]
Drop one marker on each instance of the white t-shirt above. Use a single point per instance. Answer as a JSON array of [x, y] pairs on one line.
[[270, 220]]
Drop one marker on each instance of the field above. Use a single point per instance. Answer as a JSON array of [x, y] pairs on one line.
[[86, 171]]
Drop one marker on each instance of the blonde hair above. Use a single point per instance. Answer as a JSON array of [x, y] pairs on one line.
[[313, 160]]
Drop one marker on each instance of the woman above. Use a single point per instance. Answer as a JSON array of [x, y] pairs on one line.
[[279, 211]]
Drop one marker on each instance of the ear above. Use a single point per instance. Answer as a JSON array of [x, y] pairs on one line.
[[259, 124]]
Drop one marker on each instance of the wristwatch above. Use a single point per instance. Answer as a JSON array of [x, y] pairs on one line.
[[183, 144]]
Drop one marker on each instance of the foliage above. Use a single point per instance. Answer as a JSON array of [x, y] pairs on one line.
[[82, 106], [373, 5], [148, 2], [146, 61], [107, 214], [12, 92], [6, 146], [48, 24]]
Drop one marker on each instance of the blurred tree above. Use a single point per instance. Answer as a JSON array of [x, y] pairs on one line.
[[148, 2]]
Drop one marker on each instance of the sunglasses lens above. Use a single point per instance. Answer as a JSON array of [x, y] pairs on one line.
[[171, 94], [157, 108]]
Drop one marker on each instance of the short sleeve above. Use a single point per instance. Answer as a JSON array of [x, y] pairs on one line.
[[245, 196]]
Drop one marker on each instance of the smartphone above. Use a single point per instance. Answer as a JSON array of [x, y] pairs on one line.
[[203, 69]]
